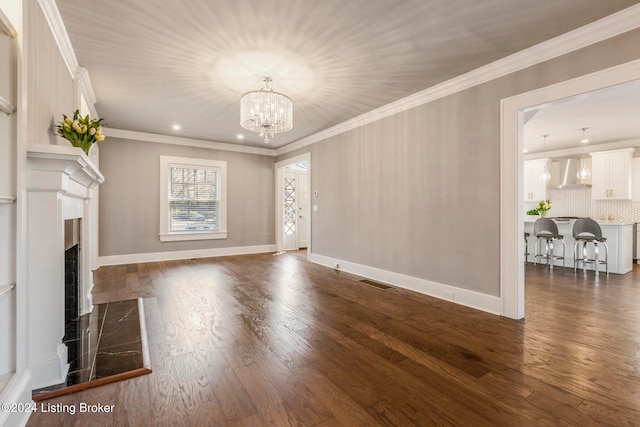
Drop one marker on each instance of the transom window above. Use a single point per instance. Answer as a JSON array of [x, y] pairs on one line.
[[192, 199]]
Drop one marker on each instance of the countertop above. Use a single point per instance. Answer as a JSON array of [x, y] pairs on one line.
[[531, 219]]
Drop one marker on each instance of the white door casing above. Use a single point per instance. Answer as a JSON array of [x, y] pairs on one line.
[[280, 169], [303, 209]]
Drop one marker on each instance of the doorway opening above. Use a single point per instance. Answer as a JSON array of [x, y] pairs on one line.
[[293, 204], [512, 174]]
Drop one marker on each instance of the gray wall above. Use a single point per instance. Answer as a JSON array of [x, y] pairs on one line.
[[418, 193], [130, 200]]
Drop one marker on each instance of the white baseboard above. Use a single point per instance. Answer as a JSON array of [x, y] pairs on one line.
[[49, 369], [18, 391], [488, 303], [177, 255]]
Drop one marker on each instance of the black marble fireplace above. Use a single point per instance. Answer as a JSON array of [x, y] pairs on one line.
[[71, 269]]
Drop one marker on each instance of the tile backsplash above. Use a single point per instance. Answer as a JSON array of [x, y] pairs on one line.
[[577, 202]]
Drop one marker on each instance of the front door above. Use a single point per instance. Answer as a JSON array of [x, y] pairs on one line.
[[290, 211]]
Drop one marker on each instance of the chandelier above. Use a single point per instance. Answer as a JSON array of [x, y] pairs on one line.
[[266, 111]]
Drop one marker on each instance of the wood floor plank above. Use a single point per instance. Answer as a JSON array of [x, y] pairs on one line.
[[345, 410], [270, 404], [258, 340], [133, 402], [201, 405], [289, 382], [231, 395]]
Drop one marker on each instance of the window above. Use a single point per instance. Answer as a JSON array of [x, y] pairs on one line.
[[193, 199]]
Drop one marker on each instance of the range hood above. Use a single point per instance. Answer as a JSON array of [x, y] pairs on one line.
[[564, 173]]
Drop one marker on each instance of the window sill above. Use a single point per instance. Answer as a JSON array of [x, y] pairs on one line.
[[193, 235]]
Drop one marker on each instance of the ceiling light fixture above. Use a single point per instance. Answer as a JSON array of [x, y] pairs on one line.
[[176, 127], [266, 111], [583, 173], [584, 139], [546, 176]]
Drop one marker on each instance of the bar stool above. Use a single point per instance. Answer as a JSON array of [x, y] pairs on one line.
[[586, 230], [546, 230], [526, 246]]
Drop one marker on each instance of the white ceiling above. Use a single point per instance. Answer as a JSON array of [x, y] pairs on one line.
[[157, 63], [611, 115]]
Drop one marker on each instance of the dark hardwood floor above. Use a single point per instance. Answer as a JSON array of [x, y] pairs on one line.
[[274, 340]]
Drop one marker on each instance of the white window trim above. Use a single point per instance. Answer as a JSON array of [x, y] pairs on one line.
[[168, 236]]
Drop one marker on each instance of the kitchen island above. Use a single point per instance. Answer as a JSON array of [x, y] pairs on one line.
[[619, 236]]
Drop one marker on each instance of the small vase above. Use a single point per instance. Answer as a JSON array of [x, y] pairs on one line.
[[543, 214]]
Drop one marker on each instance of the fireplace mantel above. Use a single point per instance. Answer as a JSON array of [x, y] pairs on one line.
[[61, 184], [69, 163]]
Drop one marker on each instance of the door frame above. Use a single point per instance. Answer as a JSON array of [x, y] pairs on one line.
[[512, 174], [279, 197]]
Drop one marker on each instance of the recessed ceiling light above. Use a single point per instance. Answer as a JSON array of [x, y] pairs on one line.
[[525, 150], [240, 136], [176, 127]]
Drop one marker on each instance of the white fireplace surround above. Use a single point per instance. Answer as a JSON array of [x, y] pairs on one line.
[[61, 185]]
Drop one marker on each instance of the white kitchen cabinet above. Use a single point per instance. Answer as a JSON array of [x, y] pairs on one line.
[[535, 189], [635, 182], [611, 174]]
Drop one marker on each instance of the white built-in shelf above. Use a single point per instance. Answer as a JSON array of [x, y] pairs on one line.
[[5, 289], [7, 199], [6, 26], [4, 380], [6, 107]]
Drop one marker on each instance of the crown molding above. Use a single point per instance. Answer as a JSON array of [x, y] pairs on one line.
[[603, 29], [186, 142], [60, 35]]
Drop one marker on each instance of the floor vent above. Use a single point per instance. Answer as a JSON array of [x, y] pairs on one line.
[[376, 284]]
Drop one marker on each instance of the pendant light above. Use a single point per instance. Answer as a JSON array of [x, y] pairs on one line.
[[583, 173], [584, 139], [546, 175]]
